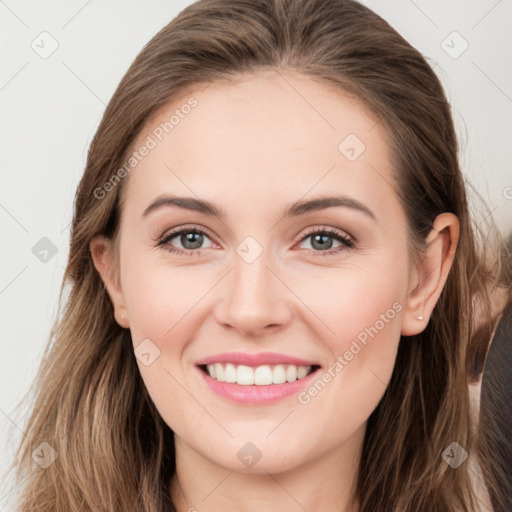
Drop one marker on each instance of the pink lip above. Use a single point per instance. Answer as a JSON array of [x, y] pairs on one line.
[[256, 395], [263, 358]]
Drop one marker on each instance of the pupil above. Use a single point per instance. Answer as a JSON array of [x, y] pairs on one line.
[[323, 245], [190, 237]]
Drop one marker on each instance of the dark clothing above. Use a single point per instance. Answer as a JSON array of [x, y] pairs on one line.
[[496, 410]]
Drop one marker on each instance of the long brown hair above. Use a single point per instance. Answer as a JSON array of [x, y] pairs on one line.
[[91, 406]]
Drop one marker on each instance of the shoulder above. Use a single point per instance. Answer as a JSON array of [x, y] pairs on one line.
[[495, 407]]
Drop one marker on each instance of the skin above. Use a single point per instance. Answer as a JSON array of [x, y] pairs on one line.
[[253, 146]]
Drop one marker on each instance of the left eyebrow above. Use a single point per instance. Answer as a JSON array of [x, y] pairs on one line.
[[294, 210], [302, 207]]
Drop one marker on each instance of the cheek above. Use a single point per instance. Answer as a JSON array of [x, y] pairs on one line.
[[158, 297], [361, 310], [354, 301], [365, 320], [363, 350], [163, 305]]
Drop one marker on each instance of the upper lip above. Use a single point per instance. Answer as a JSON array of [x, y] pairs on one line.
[[259, 359]]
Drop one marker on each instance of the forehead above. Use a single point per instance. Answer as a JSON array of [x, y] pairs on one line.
[[262, 136]]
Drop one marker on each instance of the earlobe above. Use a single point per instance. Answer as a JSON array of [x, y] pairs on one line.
[[430, 276], [101, 252]]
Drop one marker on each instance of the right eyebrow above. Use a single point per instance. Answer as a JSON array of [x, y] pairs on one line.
[[188, 203]]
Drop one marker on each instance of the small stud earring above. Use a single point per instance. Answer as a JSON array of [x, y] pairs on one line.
[[419, 317]]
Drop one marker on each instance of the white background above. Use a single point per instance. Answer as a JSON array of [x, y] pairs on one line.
[[50, 109]]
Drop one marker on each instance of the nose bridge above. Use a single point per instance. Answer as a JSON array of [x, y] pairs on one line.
[[255, 296], [251, 281]]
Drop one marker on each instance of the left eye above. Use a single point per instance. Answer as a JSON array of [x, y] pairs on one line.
[[322, 240]]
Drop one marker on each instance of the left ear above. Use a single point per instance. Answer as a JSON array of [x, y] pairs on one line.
[[429, 277]]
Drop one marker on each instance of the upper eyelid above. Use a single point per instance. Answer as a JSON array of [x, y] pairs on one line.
[[169, 235], [172, 233]]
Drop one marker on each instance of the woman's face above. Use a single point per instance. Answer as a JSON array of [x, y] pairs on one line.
[[258, 288]]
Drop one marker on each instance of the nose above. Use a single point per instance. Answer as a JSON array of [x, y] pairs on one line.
[[256, 299]]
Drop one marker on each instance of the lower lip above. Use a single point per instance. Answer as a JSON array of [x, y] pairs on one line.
[[254, 394]]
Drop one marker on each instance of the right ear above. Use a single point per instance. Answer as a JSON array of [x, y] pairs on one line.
[[103, 259]]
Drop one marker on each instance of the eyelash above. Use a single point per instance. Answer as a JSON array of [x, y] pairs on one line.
[[163, 242]]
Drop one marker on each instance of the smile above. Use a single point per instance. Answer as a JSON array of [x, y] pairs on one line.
[[256, 379], [264, 375]]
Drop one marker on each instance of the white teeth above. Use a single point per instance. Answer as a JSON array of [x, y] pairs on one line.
[[260, 376], [263, 376], [219, 372], [230, 373], [279, 374], [291, 373], [244, 375], [301, 372]]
